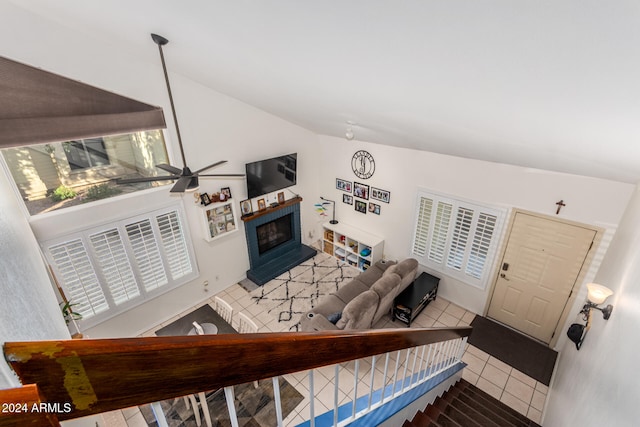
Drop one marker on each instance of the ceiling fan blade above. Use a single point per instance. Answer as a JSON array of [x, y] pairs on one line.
[[182, 184], [145, 179], [223, 175], [211, 166], [171, 169]]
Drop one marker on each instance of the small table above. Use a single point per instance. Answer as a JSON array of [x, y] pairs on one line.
[[415, 298]]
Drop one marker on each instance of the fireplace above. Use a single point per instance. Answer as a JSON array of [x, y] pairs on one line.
[[274, 241], [274, 233]]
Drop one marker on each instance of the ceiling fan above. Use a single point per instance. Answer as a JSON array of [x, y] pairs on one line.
[[187, 180]]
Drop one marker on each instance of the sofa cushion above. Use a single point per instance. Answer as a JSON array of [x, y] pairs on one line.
[[373, 273], [351, 290], [386, 290], [358, 314], [406, 267]]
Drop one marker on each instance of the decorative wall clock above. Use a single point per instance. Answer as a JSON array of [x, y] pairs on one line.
[[363, 164]]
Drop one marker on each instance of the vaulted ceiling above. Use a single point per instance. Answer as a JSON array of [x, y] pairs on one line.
[[548, 84]]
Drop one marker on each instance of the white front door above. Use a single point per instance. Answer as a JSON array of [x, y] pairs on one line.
[[539, 269]]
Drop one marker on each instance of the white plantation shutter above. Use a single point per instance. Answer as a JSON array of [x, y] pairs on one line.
[[421, 238], [174, 244], [147, 254], [77, 274], [481, 246], [459, 238], [440, 230], [107, 270], [114, 263], [456, 237]]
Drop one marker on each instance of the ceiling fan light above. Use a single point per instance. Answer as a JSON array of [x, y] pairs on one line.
[[193, 184]]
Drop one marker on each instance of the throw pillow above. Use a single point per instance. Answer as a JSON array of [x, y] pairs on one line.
[[333, 318]]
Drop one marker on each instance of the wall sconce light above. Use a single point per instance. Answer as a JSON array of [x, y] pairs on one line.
[[597, 294], [333, 221]]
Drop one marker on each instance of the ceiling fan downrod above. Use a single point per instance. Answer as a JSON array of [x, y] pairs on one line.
[[161, 41]]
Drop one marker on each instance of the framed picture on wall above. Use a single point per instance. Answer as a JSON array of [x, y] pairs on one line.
[[343, 185], [361, 206], [374, 208], [347, 198], [382, 195], [361, 190]]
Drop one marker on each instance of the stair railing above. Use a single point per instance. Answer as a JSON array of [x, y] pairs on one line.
[[99, 375]]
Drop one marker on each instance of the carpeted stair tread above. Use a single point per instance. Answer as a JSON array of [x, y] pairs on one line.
[[441, 419], [486, 419], [420, 420], [485, 408], [455, 414], [474, 392]]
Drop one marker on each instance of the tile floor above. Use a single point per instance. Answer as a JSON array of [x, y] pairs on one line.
[[510, 386]]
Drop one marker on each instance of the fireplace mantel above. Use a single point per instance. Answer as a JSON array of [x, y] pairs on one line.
[[271, 209]]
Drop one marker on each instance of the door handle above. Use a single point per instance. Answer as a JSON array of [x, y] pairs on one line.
[[504, 276]]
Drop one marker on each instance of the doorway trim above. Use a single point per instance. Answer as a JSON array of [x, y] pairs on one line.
[[584, 270]]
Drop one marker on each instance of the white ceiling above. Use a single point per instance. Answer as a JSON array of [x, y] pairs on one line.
[[543, 84]]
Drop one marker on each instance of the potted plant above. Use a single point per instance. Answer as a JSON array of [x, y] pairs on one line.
[[68, 313]]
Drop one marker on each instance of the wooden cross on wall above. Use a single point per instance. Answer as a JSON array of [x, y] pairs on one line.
[[560, 206]]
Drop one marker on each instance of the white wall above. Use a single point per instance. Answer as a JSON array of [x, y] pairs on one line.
[[213, 127], [598, 384], [28, 307], [402, 171]]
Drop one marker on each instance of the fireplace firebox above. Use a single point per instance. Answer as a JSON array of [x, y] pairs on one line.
[[274, 241]]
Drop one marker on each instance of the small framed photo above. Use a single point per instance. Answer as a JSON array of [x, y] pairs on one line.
[[261, 205], [245, 207], [374, 208], [347, 198], [343, 185], [361, 206], [205, 200], [226, 191], [382, 195], [281, 197], [361, 190]]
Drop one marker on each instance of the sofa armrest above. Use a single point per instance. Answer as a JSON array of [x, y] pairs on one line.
[[317, 323]]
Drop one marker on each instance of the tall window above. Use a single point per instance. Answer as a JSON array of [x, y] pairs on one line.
[[108, 269], [456, 237], [64, 174]]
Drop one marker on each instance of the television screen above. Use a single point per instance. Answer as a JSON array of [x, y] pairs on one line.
[[266, 176]]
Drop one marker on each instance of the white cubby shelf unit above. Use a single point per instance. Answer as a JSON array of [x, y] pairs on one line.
[[351, 245]]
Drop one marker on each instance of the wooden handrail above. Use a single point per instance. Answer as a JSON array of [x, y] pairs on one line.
[[99, 375]]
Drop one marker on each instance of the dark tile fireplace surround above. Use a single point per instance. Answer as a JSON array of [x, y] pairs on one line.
[[275, 260]]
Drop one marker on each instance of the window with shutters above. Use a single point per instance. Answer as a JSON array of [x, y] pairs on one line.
[[110, 269], [456, 237]]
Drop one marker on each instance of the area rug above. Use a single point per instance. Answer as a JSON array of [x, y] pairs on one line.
[[255, 407], [522, 353], [298, 290]]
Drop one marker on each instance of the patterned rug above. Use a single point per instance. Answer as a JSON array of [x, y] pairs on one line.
[[298, 290], [254, 407]]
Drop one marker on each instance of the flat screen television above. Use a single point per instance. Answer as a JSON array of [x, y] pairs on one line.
[[266, 176]]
